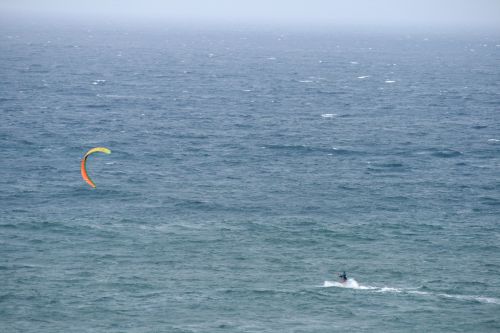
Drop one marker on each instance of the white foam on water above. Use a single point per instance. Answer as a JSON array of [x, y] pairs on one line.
[[305, 81], [350, 283], [353, 284], [487, 300], [328, 115], [418, 292], [493, 140], [363, 76], [480, 299], [390, 290], [389, 81]]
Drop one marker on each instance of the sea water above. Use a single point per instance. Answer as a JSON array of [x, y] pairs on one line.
[[248, 168]]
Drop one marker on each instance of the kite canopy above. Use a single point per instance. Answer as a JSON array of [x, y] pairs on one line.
[[83, 166]]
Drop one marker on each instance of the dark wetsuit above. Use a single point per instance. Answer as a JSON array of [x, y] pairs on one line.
[[343, 277]]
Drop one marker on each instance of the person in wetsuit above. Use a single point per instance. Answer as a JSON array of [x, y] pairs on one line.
[[343, 277]]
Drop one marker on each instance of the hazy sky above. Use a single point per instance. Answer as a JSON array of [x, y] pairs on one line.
[[426, 13]]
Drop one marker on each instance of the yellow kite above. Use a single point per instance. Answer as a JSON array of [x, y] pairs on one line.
[[83, 168]]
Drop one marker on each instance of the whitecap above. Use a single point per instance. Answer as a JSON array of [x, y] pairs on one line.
[[363, 76], [328, 115], [389, 81]]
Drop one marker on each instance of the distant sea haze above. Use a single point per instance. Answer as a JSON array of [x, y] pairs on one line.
[[247, 170]]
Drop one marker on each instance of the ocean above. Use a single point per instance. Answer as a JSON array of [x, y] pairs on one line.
[[248, 168]]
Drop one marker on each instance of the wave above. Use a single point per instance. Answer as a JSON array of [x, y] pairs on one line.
[[97, 106], [445, 153], [388, 167], [117, 96], [353, 284], [479, 126], [489, 201], [326, 92], [302, 149]]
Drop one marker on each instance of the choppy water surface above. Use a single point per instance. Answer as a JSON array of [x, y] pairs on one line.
[[247, 168]]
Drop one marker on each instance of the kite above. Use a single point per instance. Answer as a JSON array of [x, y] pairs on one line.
[[83, 168]]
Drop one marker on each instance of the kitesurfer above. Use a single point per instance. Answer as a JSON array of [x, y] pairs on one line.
[[343, 277]]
